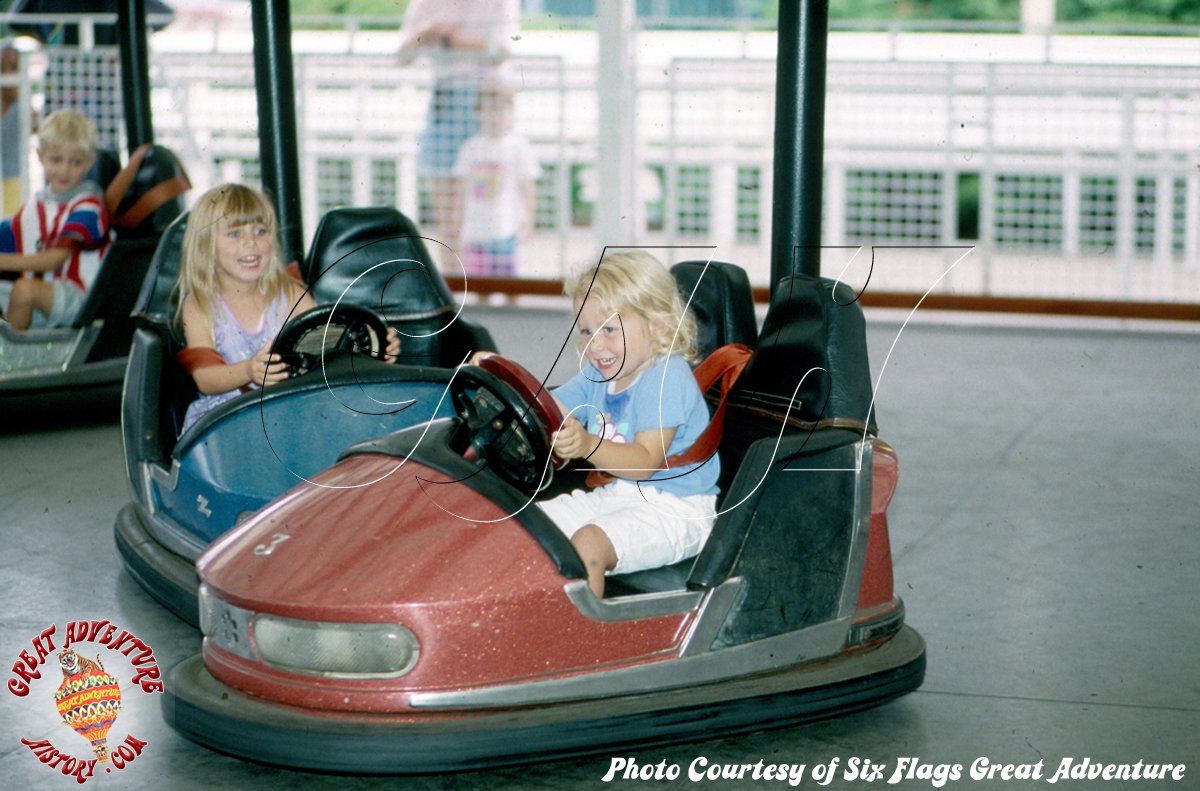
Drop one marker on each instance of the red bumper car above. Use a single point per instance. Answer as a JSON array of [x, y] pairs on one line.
[[413, 610]]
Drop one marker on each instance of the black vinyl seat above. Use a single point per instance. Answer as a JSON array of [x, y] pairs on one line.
[[812, 324], [719, 296], [157, 300], [105, 168], [158, 337], [114, 295], [789, 500], [375, 257]]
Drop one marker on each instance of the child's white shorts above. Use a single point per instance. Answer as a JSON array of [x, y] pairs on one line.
[[647, 527]]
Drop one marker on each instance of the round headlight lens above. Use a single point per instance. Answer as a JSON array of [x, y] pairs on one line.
[[345, 650]]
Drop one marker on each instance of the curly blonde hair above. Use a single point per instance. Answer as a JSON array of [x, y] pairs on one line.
[[633, 281], [223, 207]]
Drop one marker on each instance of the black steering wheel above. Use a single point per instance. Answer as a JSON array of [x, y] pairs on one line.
[[327, 329], [510, 418]]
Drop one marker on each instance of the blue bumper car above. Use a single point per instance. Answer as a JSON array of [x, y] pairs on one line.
[[367, 267]]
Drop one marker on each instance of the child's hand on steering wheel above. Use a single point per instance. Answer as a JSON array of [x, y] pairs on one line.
[[265, 368], [392, 353], [573, 441]]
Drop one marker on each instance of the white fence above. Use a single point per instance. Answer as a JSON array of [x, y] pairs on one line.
[[1071, 180]]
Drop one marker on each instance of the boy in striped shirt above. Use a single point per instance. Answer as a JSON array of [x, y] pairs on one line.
[[54, 243]]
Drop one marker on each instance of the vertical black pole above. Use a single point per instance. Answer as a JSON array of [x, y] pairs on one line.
[[277, 119], [799, 138], [135, 72]]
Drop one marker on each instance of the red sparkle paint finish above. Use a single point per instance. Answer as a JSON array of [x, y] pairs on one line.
[[442, 560]]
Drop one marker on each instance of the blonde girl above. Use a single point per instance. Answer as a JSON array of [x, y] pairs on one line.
[[234, 296], [633, 403]]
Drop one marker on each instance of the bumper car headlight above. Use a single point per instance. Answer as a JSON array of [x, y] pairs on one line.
[[342, 650]]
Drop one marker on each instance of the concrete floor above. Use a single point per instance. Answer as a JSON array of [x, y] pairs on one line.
[[1046, 544]]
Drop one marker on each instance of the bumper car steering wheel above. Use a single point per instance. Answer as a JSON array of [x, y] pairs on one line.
[[344, 327], [510, 418]]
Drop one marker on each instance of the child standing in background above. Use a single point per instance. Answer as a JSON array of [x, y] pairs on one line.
[[466, 42], [499, 172]]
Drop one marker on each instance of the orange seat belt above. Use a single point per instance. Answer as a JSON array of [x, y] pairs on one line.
[[725, 365], [147, 204], [194, 357]]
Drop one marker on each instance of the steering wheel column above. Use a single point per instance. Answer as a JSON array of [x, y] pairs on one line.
[[509, 418]]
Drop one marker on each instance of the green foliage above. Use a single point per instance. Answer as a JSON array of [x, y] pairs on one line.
[[1154, 12], [1117, 12], [1147, 12], [977, 10], [353, 8]]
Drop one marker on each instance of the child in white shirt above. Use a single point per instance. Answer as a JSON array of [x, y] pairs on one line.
[[499, 172]]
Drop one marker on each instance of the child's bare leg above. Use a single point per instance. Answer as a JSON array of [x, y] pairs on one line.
[[28, 294], [597, 553]]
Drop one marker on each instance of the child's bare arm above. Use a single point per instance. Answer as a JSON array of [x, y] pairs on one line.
[[302, 299], [42, 261], [262, 368], [631, 460]]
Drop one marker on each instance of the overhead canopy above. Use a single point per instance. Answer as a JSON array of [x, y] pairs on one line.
[[68, 34]]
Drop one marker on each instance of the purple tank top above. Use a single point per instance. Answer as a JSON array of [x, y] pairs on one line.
[[235, 343]]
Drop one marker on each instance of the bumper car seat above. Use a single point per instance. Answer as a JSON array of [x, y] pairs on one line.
[[792, 500], [376, 258], [720, 298], [168, 389], [142, 199]]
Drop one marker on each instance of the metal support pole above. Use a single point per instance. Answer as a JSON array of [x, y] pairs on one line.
[[276, 93], [135, 72], [799, 138], [616, 215]]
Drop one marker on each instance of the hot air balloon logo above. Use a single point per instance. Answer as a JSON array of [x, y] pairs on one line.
[[89, 699]]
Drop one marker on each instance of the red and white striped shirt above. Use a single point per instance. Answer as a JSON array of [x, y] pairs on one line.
[[75, 220]]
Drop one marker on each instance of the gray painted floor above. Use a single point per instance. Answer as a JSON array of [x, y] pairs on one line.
[[1046, 543]]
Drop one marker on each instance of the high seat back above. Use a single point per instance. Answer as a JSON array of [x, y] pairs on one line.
[[376, 258], [106, 166], [157, 300], [811, 359], [142, 199], [155, 313], [810, 365], [790, 489], [147, 194], [719, 296]]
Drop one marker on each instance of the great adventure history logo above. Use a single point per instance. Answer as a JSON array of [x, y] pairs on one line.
[[88, 697]]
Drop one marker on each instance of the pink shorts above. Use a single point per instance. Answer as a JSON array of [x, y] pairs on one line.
[[647, 527]]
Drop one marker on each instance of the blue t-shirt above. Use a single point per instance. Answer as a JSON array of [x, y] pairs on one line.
[[665, 395]]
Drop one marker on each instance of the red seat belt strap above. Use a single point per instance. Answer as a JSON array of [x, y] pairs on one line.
[[724, 365]]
